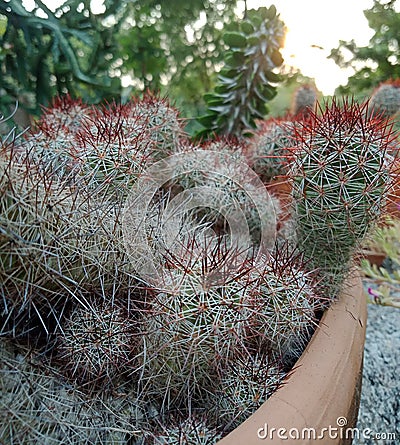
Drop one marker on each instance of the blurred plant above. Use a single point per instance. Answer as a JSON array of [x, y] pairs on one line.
[[44, 53], [379, 60], [244, 83], [304, 100], [386, 239], [385, 99]]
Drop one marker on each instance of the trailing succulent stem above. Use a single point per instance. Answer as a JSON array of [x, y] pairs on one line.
[[245, 83]]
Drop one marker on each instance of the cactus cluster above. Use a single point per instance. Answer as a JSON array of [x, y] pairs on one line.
[[142, 291]]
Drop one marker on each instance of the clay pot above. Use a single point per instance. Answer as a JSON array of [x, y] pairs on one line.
[[323, 389]]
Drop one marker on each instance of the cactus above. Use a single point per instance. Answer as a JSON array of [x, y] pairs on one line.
[[341, 175], [267, 150], [96, 343], [245, 385], [36, 406], [385, 99], [190, 335], [190, 431], [304, 101], [244, 84]]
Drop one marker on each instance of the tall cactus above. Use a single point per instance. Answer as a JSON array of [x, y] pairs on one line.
[[244, 84], [340, 174]]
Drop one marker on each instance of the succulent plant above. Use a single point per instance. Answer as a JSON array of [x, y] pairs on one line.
[[244, 84], [340, 175], [193, 329], [245, 385], [36, 406], [267, 150], [189, 431], [97, 343], [304, 101], [385, 99]]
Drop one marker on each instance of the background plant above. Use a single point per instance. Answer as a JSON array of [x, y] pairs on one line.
[[384, 280], [245, 84]]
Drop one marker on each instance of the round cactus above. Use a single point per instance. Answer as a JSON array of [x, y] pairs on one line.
[[96, 343], [243, 388], [304, 101], [267, 150], [113, 148], [385, 99], [191, 334], [161, 123], [189, 431], [340, 175]]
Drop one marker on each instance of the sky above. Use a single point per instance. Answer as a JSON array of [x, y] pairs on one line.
[[314, 27]]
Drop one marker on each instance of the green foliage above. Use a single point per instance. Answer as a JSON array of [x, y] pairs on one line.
[[244, 84], [174, 47], [44, 53], [379, 60]]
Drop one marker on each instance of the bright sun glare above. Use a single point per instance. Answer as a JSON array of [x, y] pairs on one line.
[[314, 27]]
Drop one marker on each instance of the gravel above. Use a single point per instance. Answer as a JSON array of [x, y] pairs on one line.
[[380, 398]]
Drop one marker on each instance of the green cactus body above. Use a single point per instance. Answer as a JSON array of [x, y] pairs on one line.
[[340, 173], [190, 336], [267, 150]]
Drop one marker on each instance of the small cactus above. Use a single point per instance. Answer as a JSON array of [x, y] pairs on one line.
[[96, 343], [385, 99], [304, 101], [267, 150], [245, 385], [189, 431]]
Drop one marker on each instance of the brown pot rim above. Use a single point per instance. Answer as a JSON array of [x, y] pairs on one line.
[[320, 391]]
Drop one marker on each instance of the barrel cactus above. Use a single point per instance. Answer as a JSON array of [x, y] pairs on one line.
[[268, 151]]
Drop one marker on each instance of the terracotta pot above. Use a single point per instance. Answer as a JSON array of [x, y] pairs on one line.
[[323, 388], [373, 256]]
